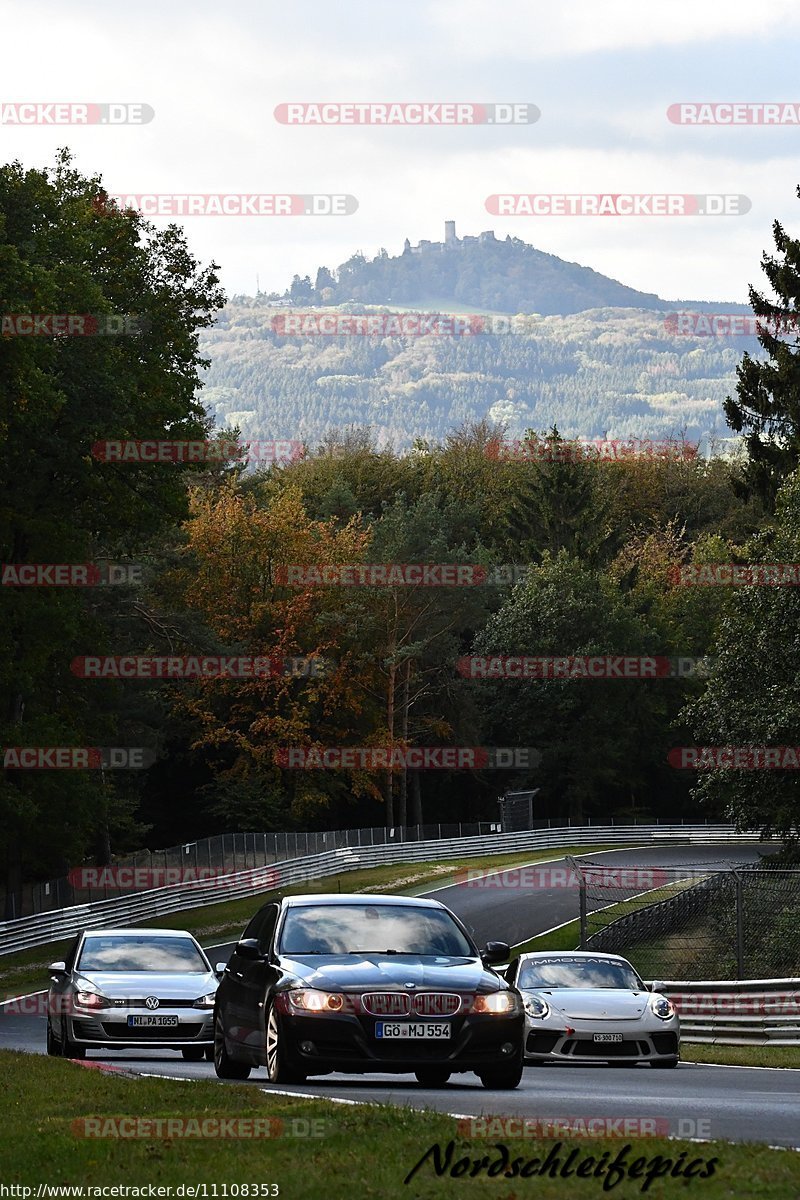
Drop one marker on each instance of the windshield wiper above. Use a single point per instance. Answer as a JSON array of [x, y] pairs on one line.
[[376, 951]]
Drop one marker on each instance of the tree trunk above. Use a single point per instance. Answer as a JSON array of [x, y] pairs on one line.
[[389, 786], [416, 799], [402, 804]]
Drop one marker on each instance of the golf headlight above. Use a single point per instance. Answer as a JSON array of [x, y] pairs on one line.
[[312, 1001], [206, 1001], [91, 1000], [496, 1003], [662, 1007], [535, 1006]]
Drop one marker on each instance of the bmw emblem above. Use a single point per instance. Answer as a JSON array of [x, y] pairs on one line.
[[152, 1002]]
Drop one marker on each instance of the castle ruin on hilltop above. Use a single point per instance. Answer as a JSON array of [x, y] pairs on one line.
[[450, 241]]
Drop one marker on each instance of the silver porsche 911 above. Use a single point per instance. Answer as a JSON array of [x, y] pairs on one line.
[[132, 989], [586, 1007]]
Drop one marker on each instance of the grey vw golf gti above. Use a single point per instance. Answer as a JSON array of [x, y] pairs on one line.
[[366, 984], [132, 988]]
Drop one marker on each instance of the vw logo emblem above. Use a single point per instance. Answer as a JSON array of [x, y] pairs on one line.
[[152, 1002]]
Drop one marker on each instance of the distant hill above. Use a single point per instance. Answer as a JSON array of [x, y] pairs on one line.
[[484, 272], [588, 354]]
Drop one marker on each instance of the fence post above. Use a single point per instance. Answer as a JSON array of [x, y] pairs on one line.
[[573, 866], [739, 924]]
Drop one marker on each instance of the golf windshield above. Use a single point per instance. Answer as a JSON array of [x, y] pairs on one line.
[[372, 929], [562, 972], [164, 955]]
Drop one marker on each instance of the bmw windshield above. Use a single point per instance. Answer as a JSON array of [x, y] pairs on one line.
[[372, 929]]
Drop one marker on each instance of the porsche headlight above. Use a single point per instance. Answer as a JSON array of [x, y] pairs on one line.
[[91, 1000], [536, 1007], [662, 1007], [206, 1001], [499, 1004], [311, 1000]]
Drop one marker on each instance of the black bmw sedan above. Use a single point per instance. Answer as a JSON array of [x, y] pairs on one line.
[[366, 984]]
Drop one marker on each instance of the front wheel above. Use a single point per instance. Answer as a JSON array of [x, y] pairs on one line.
[[70, 1049], [225, 1066], [193, 1053], [53, 1047], [433, 1077], [502, 1079], [665, 1063], [279, 1070]]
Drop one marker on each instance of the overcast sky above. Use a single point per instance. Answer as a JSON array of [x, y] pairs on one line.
[[602, 72]]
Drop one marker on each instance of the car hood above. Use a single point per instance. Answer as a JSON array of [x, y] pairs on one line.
[[393, 971], [590, 1004], [136, 985]]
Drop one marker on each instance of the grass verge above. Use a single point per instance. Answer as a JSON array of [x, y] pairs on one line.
[[216, 923], [363, 1151], [742, 1056]]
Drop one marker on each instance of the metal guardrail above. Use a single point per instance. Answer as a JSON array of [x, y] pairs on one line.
[[749, 1012], [28, 932]]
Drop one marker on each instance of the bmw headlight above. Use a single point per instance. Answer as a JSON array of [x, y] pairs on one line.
[[499, 1004], [311, 1000], [91, 1000], [536, 1007], [206, 1001], [662, 1007]]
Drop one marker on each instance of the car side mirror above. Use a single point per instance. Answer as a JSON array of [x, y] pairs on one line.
[[248, 948], [656, 985], [496, 952], [219, 969], [58, 968]]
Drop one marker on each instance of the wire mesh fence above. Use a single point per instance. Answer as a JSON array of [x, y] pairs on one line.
[[704, 921]]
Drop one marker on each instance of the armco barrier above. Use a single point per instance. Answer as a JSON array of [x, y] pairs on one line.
[[749, 1012], [27, 932]]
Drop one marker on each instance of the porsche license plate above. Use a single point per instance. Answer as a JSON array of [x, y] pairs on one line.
[[608, 1037], [412, 1029], [156, 1021]]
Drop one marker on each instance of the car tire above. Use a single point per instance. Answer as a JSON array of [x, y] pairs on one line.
[[433, 1077], [279, 1070], [70, 1049], [665, 1063], [225, 1066], [503, 1078], [53, 1047], [193, 1053]]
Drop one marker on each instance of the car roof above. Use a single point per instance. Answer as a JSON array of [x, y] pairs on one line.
[[136, 932], [577, 954], [334, 898]]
